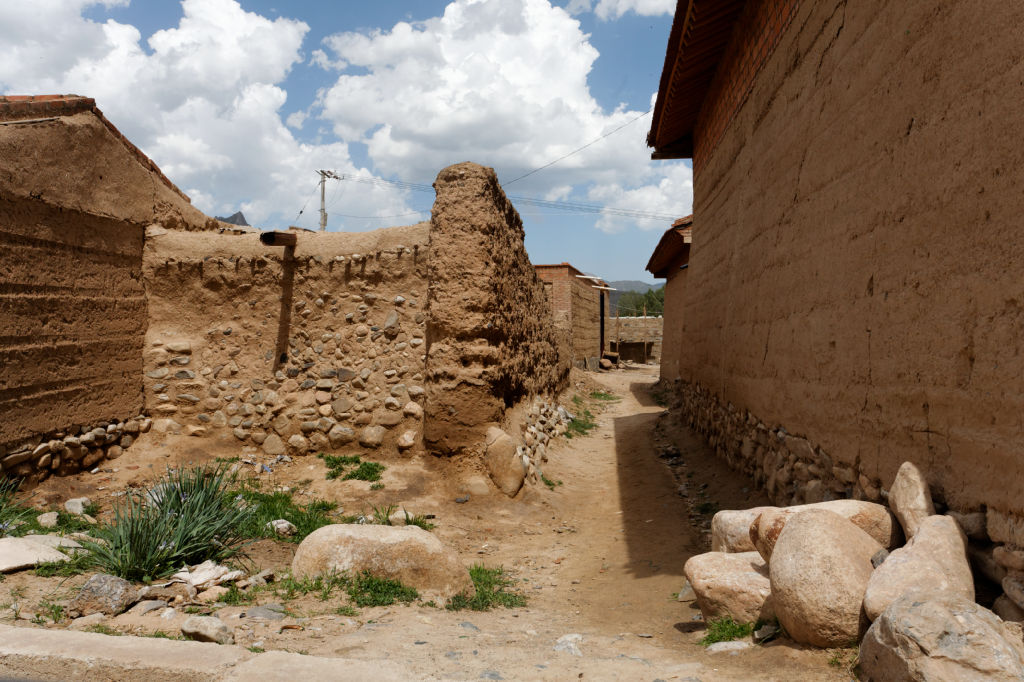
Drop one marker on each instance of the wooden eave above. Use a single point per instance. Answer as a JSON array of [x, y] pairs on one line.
[[673, 244], [700, 33]]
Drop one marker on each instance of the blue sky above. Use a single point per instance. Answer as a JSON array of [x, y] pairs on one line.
[[240, 101]]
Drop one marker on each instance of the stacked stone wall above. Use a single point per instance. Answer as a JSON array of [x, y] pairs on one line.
[[295, 350]]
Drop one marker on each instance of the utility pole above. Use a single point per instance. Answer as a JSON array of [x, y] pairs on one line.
[[324, 174]]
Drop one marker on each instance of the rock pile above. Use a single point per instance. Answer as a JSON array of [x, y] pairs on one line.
[[66, 453], [511, 463], [835, 573]]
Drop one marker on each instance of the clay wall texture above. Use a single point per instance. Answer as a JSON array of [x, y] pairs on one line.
[[856, 278], [492, 341], [575, 305], [672, 324], [295, 351], [73, 315]]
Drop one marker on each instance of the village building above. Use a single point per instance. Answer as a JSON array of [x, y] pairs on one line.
[[670, 261], [853, 296], [580, 306]]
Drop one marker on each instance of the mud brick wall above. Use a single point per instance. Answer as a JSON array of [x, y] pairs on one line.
[[492, 342], [73, 316], [575, 307], [299, 350], [856, 275], [635, 331]]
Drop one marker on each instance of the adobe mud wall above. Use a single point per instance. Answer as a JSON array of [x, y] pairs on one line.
[[73, 315], [856, 279], [576, 309], [294, 350], [491, 339], [672, 324], [634, 333]]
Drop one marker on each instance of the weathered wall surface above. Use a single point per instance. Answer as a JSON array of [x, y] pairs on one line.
[[633, 333], [73, 315], [491, 339], [575, 306], [856, 278], [296, 351], [672, 335]]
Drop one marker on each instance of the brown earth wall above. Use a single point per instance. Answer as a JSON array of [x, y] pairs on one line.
[[636, 330], [672, 336], [586, 321], [73, 316], [855, 282], [492, 342], [298, 350]]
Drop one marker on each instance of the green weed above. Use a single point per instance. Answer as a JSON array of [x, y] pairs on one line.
[[369, 590], [102, 629], [418, 520], [160, 634], [55, 612], [377, 486], [603, 395], [548, 482], [726, 630], [266, 507], [347, 610], [581, 425], [13, 516], [77, 563], [256, 649], [491, 591], [382, 515], [235, 596], [364, 471]]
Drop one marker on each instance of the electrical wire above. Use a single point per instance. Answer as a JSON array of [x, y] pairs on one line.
[[307, 202], [575, 151]]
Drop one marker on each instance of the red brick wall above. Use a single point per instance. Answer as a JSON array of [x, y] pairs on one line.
[[756, 35], [575, 306]]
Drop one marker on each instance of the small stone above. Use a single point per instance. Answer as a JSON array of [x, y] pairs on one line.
[[273, 445], [144, 607], [476, 485], [104, 594], [207, 629], [372, 436], [47, 520], [282, 527], [265, 612], [212, 594], [297, 443], [569, 643], [413, 410], [406, 440], [393, 403], [77, 505], [728, 647]]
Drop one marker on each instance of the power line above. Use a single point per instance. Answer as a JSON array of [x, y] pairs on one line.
[[573, 207], [575, 151], [307, 202]]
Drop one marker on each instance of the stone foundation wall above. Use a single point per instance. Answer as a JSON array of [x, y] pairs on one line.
[[794, 470], [298, 350]]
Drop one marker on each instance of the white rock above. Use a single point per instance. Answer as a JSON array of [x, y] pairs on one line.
[[910, 499], [406, 440], [728, 647], [77, 505], [48, 520], [569, 643], [282, 527], [17, 554]]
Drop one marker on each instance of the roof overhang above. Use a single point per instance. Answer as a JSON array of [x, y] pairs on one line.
[[700, 33], [673, 246]]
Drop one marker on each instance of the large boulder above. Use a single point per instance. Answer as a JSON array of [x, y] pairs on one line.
[[819, 571], [730, 529], [408, 554], [940, 637], [873, 519], [731, 584], [910, 498], [504, 464], [934, 560]]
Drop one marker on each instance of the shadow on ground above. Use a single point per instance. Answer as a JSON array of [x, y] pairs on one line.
[[658, 535]]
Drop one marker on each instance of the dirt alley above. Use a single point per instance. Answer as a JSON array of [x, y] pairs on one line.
[[601, 556]]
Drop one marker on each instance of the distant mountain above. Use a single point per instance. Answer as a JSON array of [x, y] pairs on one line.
[[624, 285], [236, 219]]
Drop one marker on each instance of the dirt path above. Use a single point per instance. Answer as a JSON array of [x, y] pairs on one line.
[[600, 557]]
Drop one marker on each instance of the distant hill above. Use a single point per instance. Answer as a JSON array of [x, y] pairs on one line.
[[236, 219], [624, 285]]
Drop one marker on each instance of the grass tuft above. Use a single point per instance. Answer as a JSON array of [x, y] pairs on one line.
[[267, 507], [79, 562], [581, 425], [603, 395], [726, 630], [548, 482], [491, 591], [369, 590], [13, 516], [364, 471]]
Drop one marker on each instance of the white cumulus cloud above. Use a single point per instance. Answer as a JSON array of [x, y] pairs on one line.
[[613, 9]]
